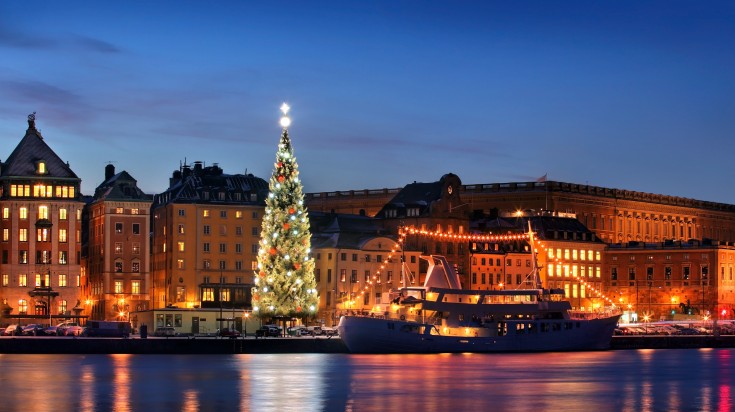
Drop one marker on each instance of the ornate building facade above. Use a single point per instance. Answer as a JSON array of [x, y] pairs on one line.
[[41, 233], [615, 215]]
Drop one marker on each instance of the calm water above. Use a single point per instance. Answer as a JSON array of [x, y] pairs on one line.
[[645, 380]]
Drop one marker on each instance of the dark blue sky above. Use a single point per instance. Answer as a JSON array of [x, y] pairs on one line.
[[633, 95]]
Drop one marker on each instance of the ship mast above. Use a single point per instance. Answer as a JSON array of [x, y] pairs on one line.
[[534, 271]]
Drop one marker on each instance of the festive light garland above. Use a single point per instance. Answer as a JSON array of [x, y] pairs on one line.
[[438, 235]]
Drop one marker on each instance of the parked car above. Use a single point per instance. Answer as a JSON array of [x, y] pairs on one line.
[[73, 331], [268, 330], [13, 330], [326, 330], [298, 330], [63, 326], [32, 329], [52, 330], [230, 333], [314, 330], [165, 331]]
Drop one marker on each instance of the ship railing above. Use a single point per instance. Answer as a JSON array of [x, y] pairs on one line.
[[594, 314]]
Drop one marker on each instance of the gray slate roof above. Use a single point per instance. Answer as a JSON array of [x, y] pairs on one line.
[[122, 187], [32, 148]]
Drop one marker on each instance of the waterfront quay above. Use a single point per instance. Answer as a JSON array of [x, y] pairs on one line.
[[249, 345]]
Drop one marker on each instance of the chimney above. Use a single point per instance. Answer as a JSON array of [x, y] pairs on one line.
[[109, 171], [198, 167]]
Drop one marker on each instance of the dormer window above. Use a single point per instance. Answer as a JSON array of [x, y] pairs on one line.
[[41, 167]]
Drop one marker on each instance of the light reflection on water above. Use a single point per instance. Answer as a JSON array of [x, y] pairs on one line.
[[645, 380]]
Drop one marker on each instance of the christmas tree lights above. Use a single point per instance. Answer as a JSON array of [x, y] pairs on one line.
[[284, 280]]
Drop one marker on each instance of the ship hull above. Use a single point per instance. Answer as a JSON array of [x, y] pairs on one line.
[[376, 335]]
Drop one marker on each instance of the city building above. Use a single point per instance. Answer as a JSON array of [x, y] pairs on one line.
[[672, 279], [615, 215], [206, 229], [568, 255], [357, 265], [432, 207], [41, 233], [116, 275]]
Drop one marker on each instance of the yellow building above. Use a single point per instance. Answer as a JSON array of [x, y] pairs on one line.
[[206, 229], [357, 264]]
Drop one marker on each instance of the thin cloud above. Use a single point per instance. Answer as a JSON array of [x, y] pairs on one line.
[[16, 39], [94, 45], [35, 91]]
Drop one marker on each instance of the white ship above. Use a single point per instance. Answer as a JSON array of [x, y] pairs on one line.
[[441, 317]]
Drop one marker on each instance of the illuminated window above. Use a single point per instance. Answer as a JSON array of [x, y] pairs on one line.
[[6, 213], [23, 234], [41, 190], [238, 214], [136, 248], [118, 286], [43, 212], [597, 255], [135, 286], [181, 246], [134, 211], [43, 234], [23, 213], [118, 248], [62, 307], [119, 210], [224, 294], [23, 306], [136, 266], [6, 235], [205, 212], [41, 167], [22, 280], [79, 214], [62, 214], [23, 257], [208, 294], [63, 257], [42, 280], [62, 281], [180, 263], [181, 229], [118, 266], [6, 279], [62, 235]]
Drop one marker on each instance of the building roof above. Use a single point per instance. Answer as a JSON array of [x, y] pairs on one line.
[[206, 184], [121, 187], [343, 231], [423, 196], [32, 149], [546, 227]]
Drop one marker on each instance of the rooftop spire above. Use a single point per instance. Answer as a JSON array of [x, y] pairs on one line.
[[32, 121]]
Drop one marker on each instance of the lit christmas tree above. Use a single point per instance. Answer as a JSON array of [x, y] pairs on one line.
[[284, 282]]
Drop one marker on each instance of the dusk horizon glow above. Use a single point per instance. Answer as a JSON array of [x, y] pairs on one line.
[[629, 95]]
